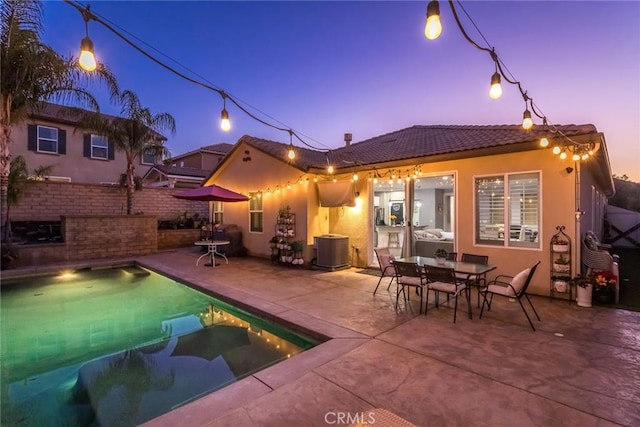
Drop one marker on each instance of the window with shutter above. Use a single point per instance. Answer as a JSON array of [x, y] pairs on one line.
[[513, 220], [99, 147], [47, 140]]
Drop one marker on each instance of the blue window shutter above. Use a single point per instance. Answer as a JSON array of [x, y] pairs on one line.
[[112, 150], [32, 138], [87, 145], [62, 141]]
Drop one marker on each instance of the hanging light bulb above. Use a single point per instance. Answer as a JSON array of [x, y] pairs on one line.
[[563, 155], [496, 88], [556, 150], [527, 123], [355, 176], [225, 124], [575, 157], [87, 60], [433, 28], [330, 169], [291, 154], [584, 156], [375, 179], [544, 142]]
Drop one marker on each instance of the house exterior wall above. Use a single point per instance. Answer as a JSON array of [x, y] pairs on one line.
[[73, 164], [260, 173], [199, 160]]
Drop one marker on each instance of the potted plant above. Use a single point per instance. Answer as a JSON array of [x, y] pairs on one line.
[[560, 283], [561, 264], [604, 286], [584, 290], [441, 255], [560, 245]]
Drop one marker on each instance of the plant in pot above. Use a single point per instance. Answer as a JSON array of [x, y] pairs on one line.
[[560, 245], [604, 286], [440, 255], [562, 264], [561, 283], [584, 291]]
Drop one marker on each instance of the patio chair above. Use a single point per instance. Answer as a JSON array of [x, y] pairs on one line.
[[452, 256], [478, 282], [511, 287], [442, 279], [596, 256], [385, 261], [409, 275]]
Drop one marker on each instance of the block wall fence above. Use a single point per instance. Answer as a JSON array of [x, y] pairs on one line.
[[48, 201]]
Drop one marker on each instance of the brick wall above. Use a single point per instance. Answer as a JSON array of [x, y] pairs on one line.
[[176, 238], [48, 201]]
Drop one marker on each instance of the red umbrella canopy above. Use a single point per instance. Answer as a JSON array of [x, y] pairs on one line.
[[211, 193]]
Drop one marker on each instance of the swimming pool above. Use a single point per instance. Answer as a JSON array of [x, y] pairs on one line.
[[121, 346]]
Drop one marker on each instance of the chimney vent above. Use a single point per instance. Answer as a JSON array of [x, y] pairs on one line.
[[347, 140]]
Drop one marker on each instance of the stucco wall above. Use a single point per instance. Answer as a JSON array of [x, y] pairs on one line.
[[72, 164], [48, 201]]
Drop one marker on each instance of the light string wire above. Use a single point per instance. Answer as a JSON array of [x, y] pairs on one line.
[[508, 76], [91, 15]]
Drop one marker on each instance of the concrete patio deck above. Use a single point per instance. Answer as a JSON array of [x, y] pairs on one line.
[[580, 368]]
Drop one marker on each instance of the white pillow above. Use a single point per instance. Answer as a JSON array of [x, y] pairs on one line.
[[519, 280], [447, 235]]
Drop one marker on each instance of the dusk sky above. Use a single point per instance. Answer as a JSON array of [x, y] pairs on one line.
[[326, 68]]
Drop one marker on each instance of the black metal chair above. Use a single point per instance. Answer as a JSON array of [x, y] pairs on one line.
[[409, 275], [511, 287], [476, 281], [385, 261], [442, 279], [452, 256]]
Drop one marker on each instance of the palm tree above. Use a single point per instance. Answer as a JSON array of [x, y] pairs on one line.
[[135, 133], [32, 72]]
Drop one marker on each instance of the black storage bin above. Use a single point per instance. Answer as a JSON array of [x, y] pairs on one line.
[[233, 234]]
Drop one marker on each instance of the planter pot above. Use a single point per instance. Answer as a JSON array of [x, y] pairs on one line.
[[561, 268], [583, 295], [560, 285], [560, 248], [604, 297], [441, 261]]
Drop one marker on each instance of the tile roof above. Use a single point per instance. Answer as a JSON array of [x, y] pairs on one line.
[[416, 142], [181, 170], [222, 147]]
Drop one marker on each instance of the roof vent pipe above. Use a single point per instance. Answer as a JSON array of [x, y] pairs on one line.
[[347, 140]]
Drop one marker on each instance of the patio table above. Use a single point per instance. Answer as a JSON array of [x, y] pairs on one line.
[[212, 250], [471, 269]]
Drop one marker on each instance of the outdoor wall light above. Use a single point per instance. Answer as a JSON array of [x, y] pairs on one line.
[[433, 28], [496, 88], [527, 123]]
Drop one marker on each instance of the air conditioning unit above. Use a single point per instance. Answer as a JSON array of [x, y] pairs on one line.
[[332, 251]]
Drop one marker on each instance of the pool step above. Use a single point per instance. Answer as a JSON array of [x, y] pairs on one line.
[[136, 271]]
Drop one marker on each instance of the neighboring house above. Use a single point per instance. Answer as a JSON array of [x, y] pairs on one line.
[[481, 189], [206, 158], [174, 176], [187, 170], [50, 137]]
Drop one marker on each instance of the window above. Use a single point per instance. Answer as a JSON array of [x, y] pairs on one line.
[[218, 211], [99, 147], [149, 158], [47, 139], [255, 211], [513, 220]]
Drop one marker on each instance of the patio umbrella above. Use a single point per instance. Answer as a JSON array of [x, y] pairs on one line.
[[211, 193]]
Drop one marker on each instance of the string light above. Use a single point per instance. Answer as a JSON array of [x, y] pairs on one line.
[[527, 123], [225, 124], [544, 142], [433, 27], [496, 88], [87, 58]]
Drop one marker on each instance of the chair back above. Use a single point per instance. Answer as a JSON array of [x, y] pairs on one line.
[[440, 274], [452, 256], [528, 281], [385, 259], [407, 269], [476, 259]]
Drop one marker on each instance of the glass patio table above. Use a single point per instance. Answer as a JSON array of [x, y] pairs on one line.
[[471, 269]]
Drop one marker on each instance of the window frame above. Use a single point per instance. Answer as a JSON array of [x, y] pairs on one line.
[[55, 141], [148, 153], [218, 212], [93, 145], [507, 212], [256, 197]]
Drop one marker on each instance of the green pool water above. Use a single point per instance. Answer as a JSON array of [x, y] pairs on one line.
[[121, 346]]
